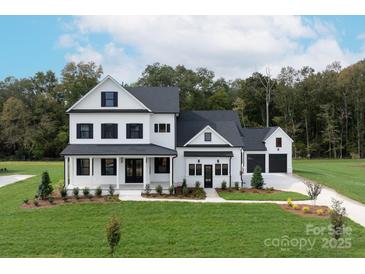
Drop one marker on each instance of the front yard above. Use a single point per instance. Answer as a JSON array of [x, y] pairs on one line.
[[345, 176], [154, 229], [261, 195]]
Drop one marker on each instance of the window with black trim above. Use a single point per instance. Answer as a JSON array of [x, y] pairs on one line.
[[224, 169], [218, 169], [109, 99], [109, 131], [83, 167], [134, 131], [162, 165], [207, 136], [108, 167], [162, 127], [278, 142], [198, 169], [84, 131], [191, 169]]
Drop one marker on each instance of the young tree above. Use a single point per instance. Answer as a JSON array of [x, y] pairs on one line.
[[268, 84], [113, 233], [45, 188], [257, 181], [313, 190], [338, 214]]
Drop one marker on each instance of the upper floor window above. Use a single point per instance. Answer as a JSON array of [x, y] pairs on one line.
[[109, 99], [83, 167], [134, 131], [84, 131], [278, 142], [162, 165], [207, 136], [162, 127], [109, 131], [108, 167]]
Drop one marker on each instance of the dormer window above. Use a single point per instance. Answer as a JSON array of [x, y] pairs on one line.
[[278, 142], [207, 136], [109, 99]]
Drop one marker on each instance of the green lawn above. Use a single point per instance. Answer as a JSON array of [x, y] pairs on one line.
[[345, 176], [275, 196], [152, 229]]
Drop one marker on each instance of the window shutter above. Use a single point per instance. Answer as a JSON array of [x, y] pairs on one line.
[[102, 99], [115, 166], [91, 131], [115, 130], [102, 130], [141, 131], [103, 167], [78, 129], [78, 164], [168, 128], [115, 94], [156, 127]]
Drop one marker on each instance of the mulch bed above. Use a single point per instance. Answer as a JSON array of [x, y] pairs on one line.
[[312, 210], [178, 194], [71, 200], [249, 190]]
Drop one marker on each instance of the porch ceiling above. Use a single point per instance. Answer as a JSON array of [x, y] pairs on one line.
[[122, 149]]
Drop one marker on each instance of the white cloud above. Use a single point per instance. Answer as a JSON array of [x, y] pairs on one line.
[[231, 46]]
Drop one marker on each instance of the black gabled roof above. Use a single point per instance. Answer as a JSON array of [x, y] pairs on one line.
[[225, 122], [125, 149], [158, 99], [253, 138]]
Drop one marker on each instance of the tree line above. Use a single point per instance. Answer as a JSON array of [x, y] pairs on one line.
[[322, 111]]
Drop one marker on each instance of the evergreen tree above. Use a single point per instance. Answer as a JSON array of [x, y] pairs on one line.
[[257, 181], [45, 188]]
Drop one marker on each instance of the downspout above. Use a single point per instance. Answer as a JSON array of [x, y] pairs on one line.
[[230, 171]]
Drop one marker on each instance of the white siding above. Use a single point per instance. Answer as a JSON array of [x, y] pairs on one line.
[[181, 166], [93, 99], [166, 139]]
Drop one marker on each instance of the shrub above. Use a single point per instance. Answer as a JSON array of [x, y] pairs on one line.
[[185, 190], [98, 191], [171, 190], [63, 194], [86, 192], [159, 189], [199, 193], [290, 203], [236, 185], [147, 189], [113, 233], [338, 213], [313, 190], [45, 188], [320, 211], [111, 190], [296, 207], [224, 185], [197, 184], [76, 192], [36, 202], [257, 181], [184, 183], [305, 209], [270, 189], [26, 201], [50, 199]]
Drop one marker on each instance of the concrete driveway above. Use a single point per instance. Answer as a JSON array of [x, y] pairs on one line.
[[355, 210], [10, 179]]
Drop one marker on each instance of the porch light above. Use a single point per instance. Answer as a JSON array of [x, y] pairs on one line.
[[198, 160], [217, 160]]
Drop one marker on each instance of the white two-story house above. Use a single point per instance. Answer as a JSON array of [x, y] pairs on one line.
[[130, 137]]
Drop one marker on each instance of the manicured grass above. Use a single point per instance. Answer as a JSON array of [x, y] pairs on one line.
[[274, 196], [153, 229], [345, 176]]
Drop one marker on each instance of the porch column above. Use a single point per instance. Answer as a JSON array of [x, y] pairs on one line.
[[118, 170], [66, 172], [171, 171], [144, 172]]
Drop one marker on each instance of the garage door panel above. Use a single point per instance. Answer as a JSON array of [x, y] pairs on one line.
[[254, 160], [278, 163]]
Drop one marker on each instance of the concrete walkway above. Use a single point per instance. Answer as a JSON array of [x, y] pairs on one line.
[[355, 210], [10, 179]]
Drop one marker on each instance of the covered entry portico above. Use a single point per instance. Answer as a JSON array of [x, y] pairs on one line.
[[123, 166]]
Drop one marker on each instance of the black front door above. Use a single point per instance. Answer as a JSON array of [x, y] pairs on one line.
[[134, 170], [208, 176]]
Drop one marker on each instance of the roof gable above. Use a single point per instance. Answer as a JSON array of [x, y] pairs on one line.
[[92, 99], [216, 138]]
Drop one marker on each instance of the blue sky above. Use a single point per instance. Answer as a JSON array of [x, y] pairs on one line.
[[232, 47]]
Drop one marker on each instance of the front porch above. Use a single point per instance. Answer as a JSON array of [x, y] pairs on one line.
[[123, 172]]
